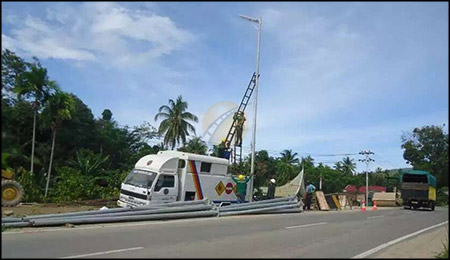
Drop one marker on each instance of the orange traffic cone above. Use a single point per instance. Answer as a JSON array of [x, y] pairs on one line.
[[374, 208], [363, 207]]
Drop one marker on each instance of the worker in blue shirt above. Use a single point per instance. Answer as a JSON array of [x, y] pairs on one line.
[[310, 189]]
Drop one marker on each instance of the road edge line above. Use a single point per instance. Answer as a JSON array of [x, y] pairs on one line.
[[378, 248]]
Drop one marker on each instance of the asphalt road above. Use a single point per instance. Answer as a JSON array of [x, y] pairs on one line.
[[342, 234]]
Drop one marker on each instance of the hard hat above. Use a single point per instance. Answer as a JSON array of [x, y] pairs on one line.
[[223, 140], [241, 177], [272, 180]]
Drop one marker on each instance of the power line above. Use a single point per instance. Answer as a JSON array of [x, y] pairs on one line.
[[247, 149]]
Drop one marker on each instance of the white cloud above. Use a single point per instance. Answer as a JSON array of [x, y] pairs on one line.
[[105, 32]]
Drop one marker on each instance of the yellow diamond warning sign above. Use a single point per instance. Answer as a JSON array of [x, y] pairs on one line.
[[220, 188]]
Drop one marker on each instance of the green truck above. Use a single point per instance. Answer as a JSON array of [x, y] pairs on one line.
[[418, 189]]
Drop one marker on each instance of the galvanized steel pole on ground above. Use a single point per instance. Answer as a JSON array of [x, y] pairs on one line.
[[136, 213], [260, 202]]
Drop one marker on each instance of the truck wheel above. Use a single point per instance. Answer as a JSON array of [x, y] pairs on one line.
[[12, 193]]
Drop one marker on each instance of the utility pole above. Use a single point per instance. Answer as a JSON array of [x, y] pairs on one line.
[[367, 160]]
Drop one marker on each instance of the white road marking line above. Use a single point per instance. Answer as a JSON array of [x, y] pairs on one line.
[[380, 247], [307, 225], [380, 216], [104, 252]]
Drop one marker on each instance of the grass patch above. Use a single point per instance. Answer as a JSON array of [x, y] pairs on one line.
[[444, 253], [4, 228]]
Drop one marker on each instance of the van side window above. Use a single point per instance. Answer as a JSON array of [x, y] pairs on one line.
[[190, 195], [205, 167], [181, 164], [165, 181]]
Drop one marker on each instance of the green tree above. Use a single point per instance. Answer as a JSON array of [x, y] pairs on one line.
[[195, 145], [35, 84], [348, 166], [175, 125], [139, 144], [338, 166], [79, 132], [426, 148], [59, 107], [12, 69], [289, 157], [307, 162], [107, 115], [88, 163]]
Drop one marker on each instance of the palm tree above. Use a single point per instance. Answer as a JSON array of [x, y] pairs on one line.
[[338, 166], [175, 125], [348, 166], [59, 107], [288, 157], [195, 145], [36, 85], [307, 162]]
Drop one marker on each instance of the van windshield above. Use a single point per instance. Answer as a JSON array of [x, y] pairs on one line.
[[140, 178]]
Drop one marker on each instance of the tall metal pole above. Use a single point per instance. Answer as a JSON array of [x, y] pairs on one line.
[[252, 169], [367, 160]]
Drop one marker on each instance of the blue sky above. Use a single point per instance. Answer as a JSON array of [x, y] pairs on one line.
[[335, 77]]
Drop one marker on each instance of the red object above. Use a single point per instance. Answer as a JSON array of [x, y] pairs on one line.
[[352, 188], [229, 188], [374, 208], [363, 208], [372, 188]]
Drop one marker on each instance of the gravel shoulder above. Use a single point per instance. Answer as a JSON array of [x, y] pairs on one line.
[[426, 245], [25, 209]]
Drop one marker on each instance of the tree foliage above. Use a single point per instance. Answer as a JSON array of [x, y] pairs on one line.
[[426, 148], [195, 145], [175, 124]]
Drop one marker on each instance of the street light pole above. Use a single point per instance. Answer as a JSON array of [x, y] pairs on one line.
[[258, 21]]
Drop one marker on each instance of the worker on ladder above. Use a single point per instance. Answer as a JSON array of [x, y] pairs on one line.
[[239, 118], [224, 151]]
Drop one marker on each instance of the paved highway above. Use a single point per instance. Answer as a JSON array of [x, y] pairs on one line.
[[334, 234]]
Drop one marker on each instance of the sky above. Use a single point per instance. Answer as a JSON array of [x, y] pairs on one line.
[[335, 77]]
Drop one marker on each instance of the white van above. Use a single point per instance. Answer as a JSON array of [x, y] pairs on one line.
[[178, 176]]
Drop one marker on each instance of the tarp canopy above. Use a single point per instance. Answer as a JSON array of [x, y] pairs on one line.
[[296, 185], [430, 178]]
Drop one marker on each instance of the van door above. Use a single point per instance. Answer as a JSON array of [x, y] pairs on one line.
[[166, 189]]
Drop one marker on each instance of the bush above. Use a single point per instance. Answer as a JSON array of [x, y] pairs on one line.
[[71, 185], [28, 181], [441, 196]]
